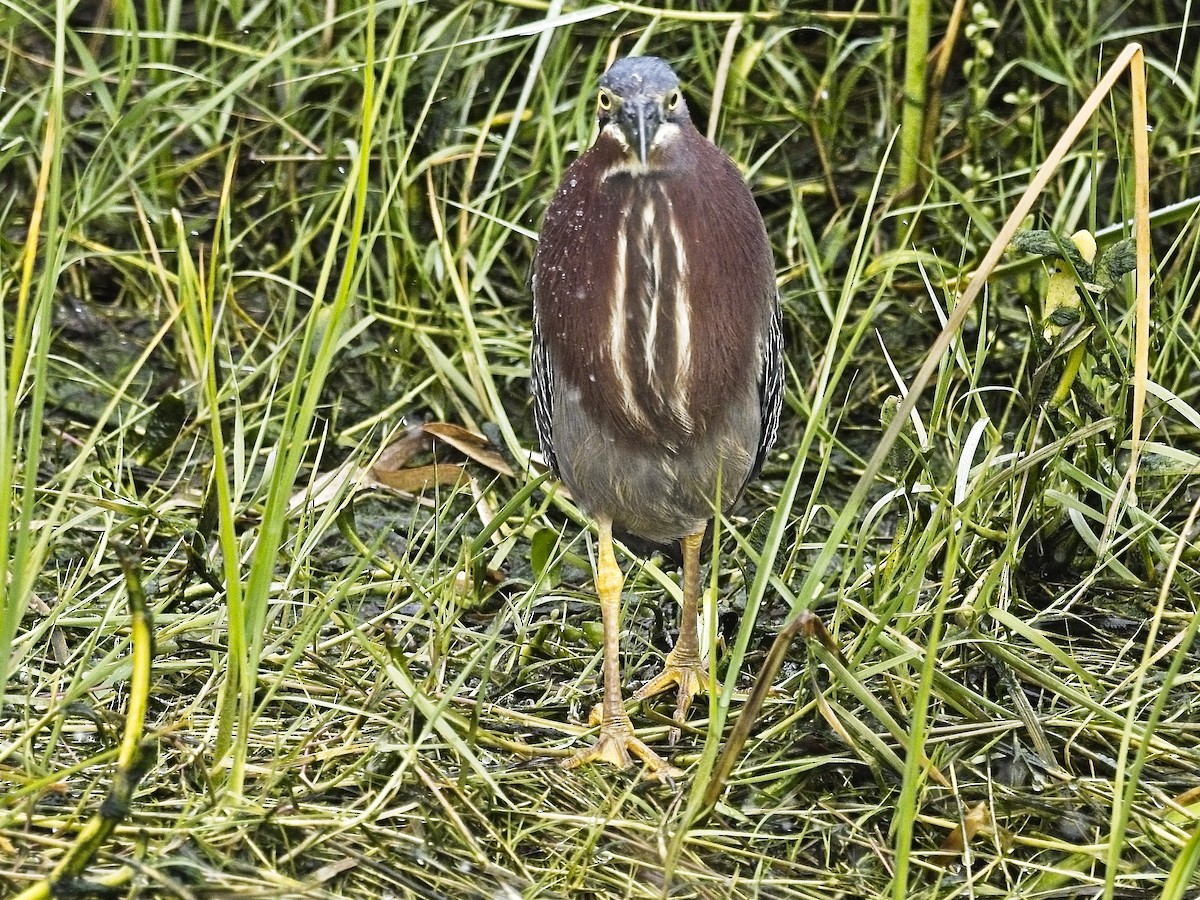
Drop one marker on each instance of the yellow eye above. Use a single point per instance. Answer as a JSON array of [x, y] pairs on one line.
[[673, 99], [604, 100]]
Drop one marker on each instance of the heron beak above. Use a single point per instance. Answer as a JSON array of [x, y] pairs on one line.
[[647, 116], [645, 131]]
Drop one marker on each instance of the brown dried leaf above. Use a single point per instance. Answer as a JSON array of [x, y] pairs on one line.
[[397, 454], [978, 819], [416, 479], [328, 487], [471, 445], [392, 470]]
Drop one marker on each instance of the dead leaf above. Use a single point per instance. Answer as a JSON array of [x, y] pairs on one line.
[[416, 479], [471, 445], [326, 488], [397, 454], [392, 469], [978, 819]]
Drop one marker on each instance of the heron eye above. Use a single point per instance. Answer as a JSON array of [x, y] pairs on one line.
[[673, 100], [604, 100]]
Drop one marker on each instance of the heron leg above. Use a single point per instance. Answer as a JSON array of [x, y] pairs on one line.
[[617, 739], [684, 667]]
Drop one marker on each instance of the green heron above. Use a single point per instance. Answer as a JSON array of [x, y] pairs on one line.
[[657, 369]]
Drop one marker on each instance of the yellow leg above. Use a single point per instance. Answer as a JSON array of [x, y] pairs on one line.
[[684, 666], [617, 739]]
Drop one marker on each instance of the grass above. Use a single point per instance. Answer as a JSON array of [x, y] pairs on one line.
[[246, 247]]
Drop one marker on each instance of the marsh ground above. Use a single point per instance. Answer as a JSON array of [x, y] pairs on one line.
[[244, 247]]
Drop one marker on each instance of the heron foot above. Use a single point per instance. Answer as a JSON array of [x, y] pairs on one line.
[[614, 746], [684, 669]]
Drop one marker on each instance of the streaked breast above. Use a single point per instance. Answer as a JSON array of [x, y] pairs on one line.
[[650, 328]]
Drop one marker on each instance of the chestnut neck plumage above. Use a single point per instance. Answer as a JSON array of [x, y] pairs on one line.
[[656, 335], [659, 160]]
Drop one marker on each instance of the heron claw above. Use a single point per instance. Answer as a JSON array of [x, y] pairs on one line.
[[615, 744], [685, 670]]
